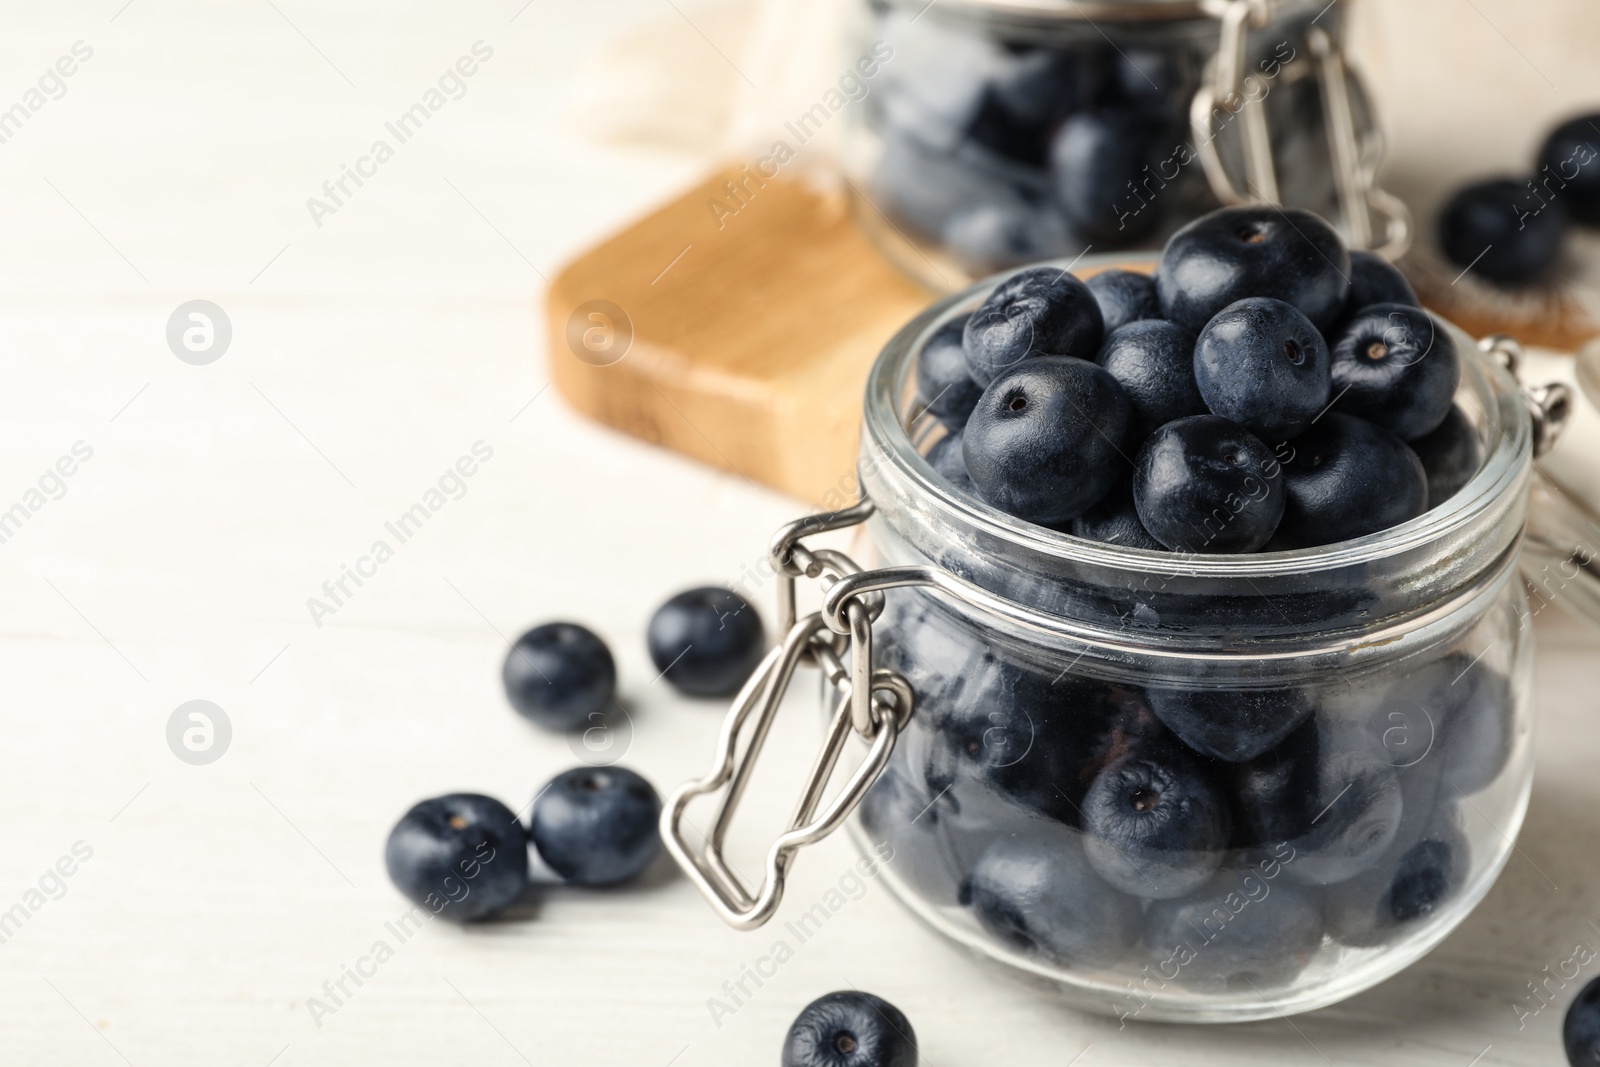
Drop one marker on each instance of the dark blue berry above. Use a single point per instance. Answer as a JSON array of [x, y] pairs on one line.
[[1274, 792], [1569, 167], [850, 1029], [1502, 231], [1153, 361], [1374, 280], [1124, 297], [1045, 441], [1452, 716], [1393, 365], [1038, 894], [1355, 815], [560, 675], [1231, 724], [1411, 885], [1115, 521], [706, 641], [1346, 478], [1028, 98], [1039, 311], [932, 853], [1034, 739], [1451, 454], [461, 856], [946, 457], [1239, 934], [1042, 86], [1580, 1031], [1238, 252], [1154, 825], [992, 236], [596, 825], [1474, 715], [1152, 75], [943, 384], [1262, 364], [1098, 158], [1204, 484], [927, 188]]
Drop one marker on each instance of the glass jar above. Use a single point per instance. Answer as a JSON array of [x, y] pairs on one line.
[[1348, 727], [1000, 132]]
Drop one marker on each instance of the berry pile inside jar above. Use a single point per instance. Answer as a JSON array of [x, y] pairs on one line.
[[1266, 389]]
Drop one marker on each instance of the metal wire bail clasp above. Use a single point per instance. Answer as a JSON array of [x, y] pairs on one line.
[[1230, 89], [872, 703]]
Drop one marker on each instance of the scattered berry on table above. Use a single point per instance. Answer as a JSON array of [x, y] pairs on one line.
[[1580, 1032], [1569, 168], [461, 856], [560, 675], [1501, 231], [850, 1029], [596, 826], [706, 641]]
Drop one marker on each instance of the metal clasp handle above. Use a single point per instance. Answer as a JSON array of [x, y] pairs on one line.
[[1354, 153], [1549, 405], [873, 703]]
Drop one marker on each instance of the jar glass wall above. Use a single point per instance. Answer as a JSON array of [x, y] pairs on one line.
[[1001, 133], [1345, 729]]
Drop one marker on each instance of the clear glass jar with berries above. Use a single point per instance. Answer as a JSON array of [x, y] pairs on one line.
[[1187, 632], [1000, 132]]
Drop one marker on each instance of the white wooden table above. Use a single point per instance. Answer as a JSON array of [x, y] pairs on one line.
[[368, 353]]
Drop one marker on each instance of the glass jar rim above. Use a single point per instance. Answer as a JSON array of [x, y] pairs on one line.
[[898, 469]]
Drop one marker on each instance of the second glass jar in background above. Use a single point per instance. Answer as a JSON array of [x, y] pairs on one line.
[[1006, 131]]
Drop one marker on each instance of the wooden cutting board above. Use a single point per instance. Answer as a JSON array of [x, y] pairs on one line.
[[739, 337], [1560, 313]]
